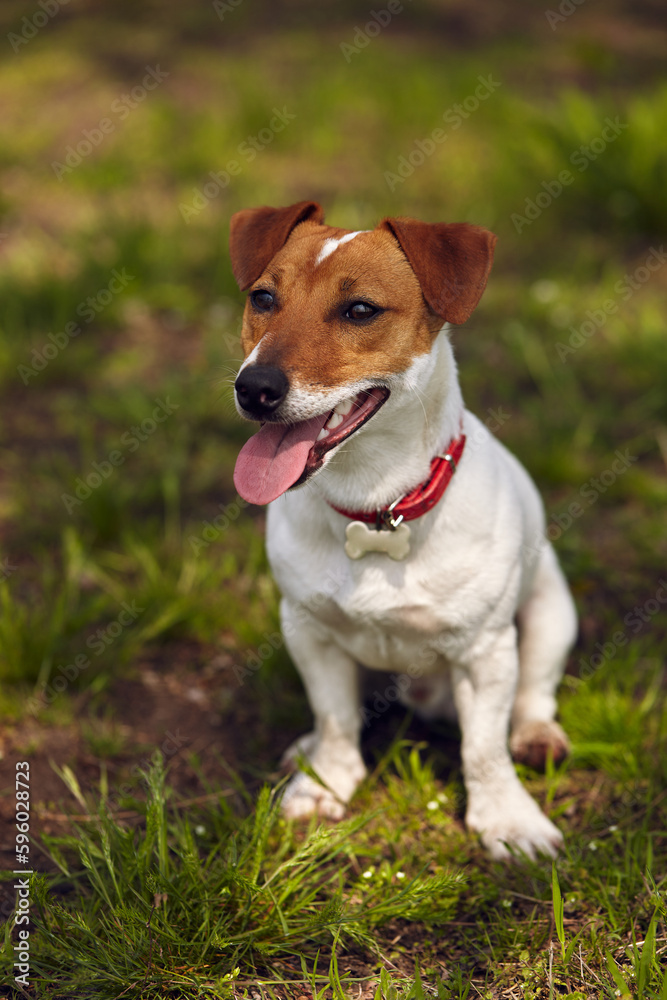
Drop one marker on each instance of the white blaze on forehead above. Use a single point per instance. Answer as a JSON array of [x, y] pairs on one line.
[[332, 244]]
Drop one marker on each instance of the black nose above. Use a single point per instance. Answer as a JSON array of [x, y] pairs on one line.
[[260, 389]]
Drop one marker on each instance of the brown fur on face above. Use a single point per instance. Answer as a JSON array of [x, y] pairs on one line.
[[418, 274], [306, 335]]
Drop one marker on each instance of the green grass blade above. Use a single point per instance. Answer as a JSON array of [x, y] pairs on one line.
[[558, 908]]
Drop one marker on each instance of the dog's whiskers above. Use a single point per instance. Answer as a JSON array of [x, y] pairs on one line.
[[421, 402]]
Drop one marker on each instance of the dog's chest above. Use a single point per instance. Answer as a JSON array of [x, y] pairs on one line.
[[386, 621], [391, 641]]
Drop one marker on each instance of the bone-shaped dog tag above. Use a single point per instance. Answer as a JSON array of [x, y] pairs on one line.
[[362, 539]]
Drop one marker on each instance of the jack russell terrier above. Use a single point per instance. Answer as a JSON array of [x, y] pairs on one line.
[[379, 479]]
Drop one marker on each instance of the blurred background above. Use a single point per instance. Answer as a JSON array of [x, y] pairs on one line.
[[135, 592]]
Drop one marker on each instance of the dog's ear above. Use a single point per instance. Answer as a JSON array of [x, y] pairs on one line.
[[451, 260], [257, 234]]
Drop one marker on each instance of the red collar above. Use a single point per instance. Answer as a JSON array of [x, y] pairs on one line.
[[422, 498]]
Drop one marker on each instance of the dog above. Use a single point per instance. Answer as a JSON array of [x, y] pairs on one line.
[[403, 536]]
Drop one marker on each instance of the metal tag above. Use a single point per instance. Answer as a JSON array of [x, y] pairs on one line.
[[361, 538]]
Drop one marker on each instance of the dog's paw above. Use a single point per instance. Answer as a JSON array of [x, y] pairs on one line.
[[305, 797], [541, 838], [520, 825], [532, 742], [336, 760], [303, 746]]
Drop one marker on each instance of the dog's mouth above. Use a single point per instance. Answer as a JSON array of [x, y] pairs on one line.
[[341, 422], [281, 456]]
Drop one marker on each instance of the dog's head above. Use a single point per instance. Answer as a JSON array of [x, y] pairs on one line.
[[332, 319]]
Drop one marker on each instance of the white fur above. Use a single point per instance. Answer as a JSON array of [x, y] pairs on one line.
[[250, 360], [445, 616], [332, 244]]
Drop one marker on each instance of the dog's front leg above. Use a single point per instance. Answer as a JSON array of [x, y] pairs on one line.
[[499, 807], [330, 678]]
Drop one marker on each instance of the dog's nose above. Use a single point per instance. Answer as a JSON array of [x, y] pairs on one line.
[[261, 389]]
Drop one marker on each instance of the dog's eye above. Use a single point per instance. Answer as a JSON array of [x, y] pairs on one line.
[[261, 299], [360, 311]]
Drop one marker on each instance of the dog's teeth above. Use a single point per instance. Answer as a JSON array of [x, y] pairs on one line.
[[334, 420], [323, 433], [344, 407]]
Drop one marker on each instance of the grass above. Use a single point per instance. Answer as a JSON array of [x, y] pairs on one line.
[[211, 900], [264, 895], [179, 877]]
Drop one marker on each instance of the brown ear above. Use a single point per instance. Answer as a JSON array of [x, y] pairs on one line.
[[257, 234], [451, 260]]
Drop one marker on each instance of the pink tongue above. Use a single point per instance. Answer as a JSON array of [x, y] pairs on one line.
[[274, 458]]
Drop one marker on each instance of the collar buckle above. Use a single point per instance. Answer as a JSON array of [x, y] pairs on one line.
[[384, 519], [448, 458]]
